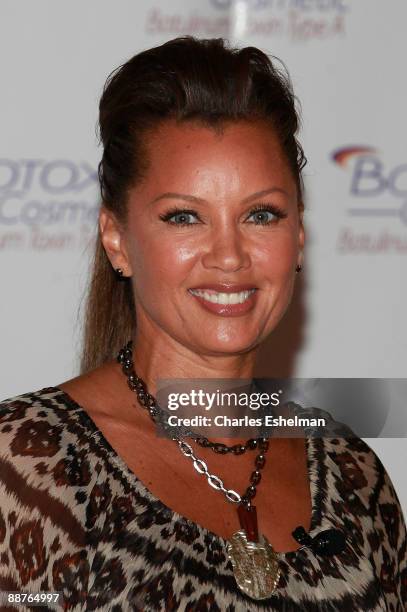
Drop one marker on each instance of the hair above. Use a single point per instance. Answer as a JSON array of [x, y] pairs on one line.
[[184, 79]]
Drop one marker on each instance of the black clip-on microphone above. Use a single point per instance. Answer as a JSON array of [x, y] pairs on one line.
[[326, 543]]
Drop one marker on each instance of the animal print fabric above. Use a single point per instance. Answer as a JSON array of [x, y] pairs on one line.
[[74, 518]]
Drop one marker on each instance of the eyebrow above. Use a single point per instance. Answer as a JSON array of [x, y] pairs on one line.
[[191, 198]]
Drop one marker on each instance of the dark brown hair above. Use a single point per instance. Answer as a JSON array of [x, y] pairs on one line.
[[186, 79]]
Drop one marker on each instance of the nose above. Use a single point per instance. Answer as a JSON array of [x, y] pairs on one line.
[[226, 251]]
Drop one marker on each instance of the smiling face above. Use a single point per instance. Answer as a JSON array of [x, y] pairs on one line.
[[214, 209]]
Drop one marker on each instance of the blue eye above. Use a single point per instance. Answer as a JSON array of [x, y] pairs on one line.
[[264, 217], [180, 216], [267, 214]]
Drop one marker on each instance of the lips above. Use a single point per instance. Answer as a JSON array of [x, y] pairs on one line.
[[225, 299], [224, 287]]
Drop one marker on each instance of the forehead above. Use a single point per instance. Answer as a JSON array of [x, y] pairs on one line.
[[235, 153], [193, 137]]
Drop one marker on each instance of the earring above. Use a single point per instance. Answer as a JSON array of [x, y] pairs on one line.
[[119, 273], [298, 268]]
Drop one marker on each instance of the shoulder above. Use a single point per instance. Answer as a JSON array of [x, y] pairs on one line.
[[39, 410], [356, 494], [359, 469], [356, 461], [40, 431], [49, 468], [48, 405], [50, 458], [353, 483], [365, 491]]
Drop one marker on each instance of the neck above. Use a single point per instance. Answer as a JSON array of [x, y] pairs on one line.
[[161, 357]]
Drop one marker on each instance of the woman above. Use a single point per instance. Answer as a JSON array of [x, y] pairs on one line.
[[200, 241]]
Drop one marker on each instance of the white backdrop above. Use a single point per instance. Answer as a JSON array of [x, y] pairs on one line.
[[347, 62]]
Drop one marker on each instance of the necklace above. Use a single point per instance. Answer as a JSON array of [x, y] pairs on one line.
[[254, 561], [156, 413]]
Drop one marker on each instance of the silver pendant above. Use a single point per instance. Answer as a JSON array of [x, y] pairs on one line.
[[255, 565]]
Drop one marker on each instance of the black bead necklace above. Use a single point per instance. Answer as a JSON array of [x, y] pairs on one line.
[[148, 401]]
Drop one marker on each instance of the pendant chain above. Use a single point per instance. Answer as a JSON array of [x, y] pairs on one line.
[[215, 482]]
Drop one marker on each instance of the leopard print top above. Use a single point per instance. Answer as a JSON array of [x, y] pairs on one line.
[[75, 519]]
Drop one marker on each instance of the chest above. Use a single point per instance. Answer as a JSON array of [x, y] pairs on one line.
[[282, 500]]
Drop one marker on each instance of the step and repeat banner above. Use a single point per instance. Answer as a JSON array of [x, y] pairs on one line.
[[346, 59]]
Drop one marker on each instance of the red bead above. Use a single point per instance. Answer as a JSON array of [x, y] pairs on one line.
[[248, 521]]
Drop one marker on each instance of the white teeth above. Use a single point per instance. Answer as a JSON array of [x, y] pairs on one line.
[[223, 298]]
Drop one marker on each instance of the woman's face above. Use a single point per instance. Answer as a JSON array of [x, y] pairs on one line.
[[213, 210]]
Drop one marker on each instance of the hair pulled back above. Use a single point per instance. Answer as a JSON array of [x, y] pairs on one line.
[[186, 79]]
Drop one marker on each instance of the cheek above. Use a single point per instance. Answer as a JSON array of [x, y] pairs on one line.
[[166, 262], [277, 255]]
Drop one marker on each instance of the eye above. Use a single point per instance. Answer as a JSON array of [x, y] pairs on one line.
[[265, 214], [179, 216]]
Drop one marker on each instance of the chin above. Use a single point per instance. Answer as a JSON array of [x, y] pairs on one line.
[[228, 345]]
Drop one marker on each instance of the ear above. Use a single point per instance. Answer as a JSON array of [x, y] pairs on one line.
[[112, 237], [301, 237]]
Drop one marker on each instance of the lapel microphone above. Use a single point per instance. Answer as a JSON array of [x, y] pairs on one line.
[[326, 543]]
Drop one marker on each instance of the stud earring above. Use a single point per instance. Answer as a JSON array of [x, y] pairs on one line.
[[119, 273], [298, 268]]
